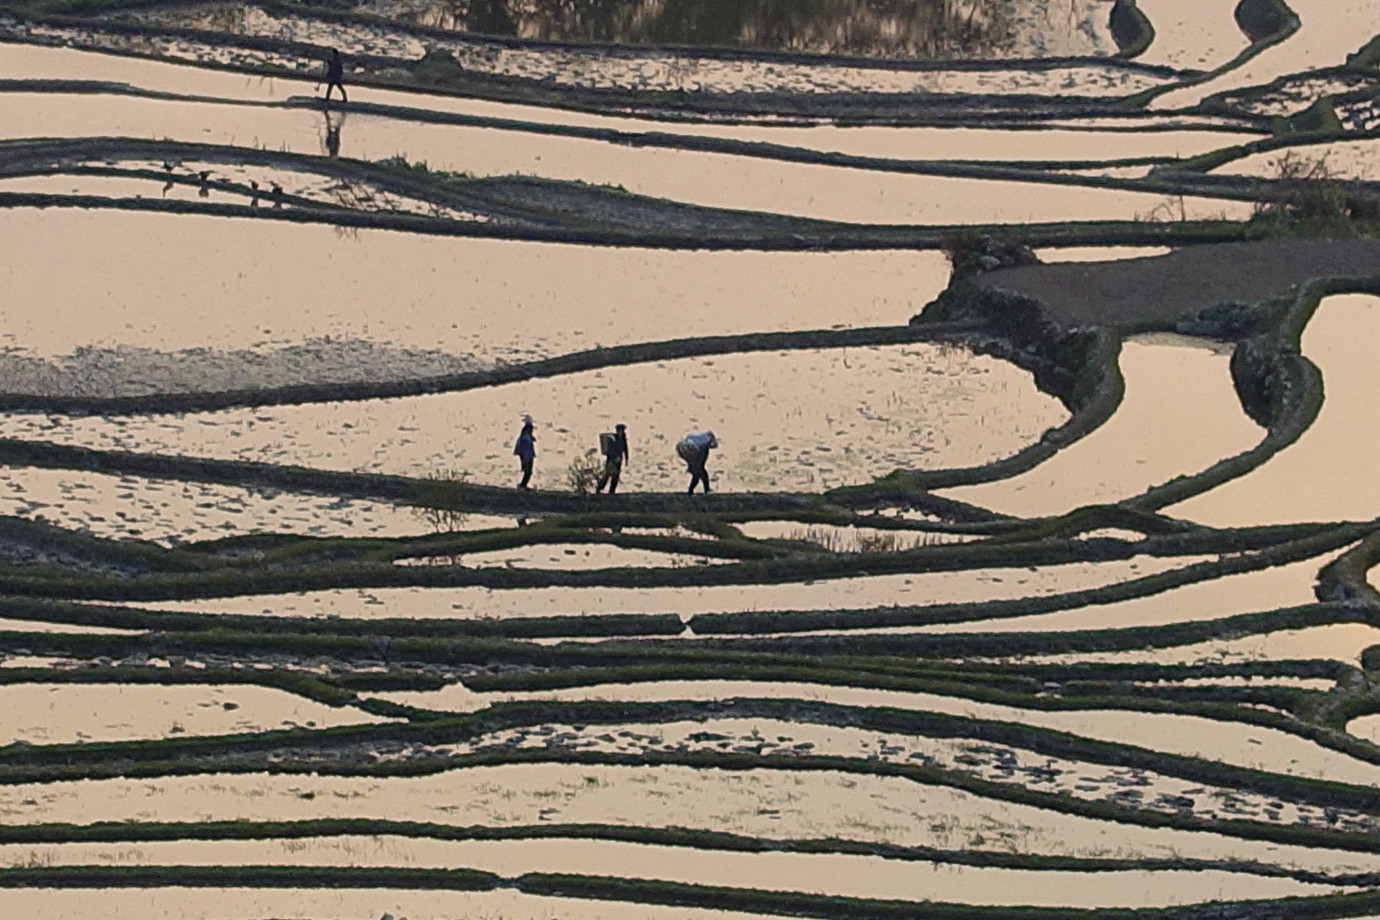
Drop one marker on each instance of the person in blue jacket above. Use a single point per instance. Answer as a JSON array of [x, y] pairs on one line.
[[526, 451]]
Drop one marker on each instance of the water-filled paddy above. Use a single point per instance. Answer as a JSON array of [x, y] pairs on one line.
[[568, 557], [134, 304], [1266, 589], [845, 593], [1337, 641], [768, 803], [169, 511], [1329, 30], [839, 875], [32, 62], [1179, 416], [1018, 29], [692, 177], [848, 539], [1231, 742], [1342, 159], [667, 70], [337, 903], [70, 713], [1327, 475], [1190, 34], [11, 625], [789, 421], [427, 305]]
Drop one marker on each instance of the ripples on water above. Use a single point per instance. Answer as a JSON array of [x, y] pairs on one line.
[[1026, 708]]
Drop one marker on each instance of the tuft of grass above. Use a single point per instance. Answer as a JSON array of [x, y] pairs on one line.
[[1306, 198], [421, 167], [439, 500], [583, 472], [835, 540]]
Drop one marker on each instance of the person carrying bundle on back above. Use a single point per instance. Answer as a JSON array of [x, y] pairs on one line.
[[614, 447], [694, 450]]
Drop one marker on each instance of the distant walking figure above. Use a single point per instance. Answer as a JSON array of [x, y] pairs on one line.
[[526, 451], [335, 75], [694, 450], [615, 449]]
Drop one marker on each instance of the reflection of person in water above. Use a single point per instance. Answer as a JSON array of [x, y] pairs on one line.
[[335, 75], [331, 142]]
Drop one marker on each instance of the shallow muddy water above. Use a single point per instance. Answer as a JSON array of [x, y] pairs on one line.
[[1191, 34], [770, 803], [1267, 589], [71, 713], [339, 904], [834, 594], [1328, 474], [109, 303], [787, 421], [848, 539], [40, 626], [1194, 736], [171, 512], [923, 31], [1338, 641], [1179, 416], [1329, 31], [567, 557], [1341, 159], [838, 875], [64, 115], [389, 304], [669, 69], [1099, 253], [816, 192]]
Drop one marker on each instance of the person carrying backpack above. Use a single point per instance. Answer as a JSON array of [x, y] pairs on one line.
[[615, 450], [694, 450]]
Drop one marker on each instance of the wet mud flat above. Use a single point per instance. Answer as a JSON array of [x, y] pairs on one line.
[[976, 617], [1177, 286]]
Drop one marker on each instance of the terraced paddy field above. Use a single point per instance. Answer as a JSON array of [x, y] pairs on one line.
[[1036, 573]]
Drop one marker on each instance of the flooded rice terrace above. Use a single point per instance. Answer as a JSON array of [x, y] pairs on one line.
[[1030, 571]]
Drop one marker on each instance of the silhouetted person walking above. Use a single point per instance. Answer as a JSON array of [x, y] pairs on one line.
[[335, 75], [615, 448], [694, 450], [526, 451]]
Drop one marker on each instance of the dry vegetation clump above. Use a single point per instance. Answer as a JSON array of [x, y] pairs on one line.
[[583, 472], [1306, 198], [439, 501]]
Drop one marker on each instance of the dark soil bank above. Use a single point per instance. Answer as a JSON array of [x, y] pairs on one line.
[[1164, 288]]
